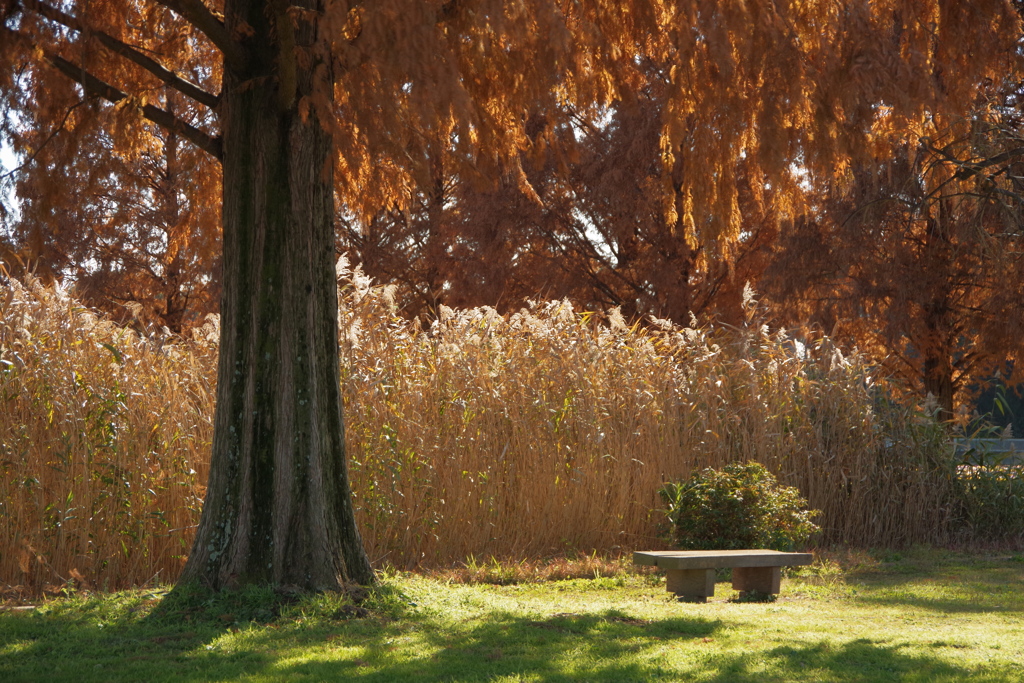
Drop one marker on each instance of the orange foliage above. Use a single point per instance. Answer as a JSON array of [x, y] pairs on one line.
[[708, 103], [107, 199], [921, 258]]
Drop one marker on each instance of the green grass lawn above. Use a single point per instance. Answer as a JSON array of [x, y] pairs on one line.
[[922, 616]]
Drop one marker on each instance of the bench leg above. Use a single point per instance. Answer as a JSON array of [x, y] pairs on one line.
[[760, 579], [691, 585]]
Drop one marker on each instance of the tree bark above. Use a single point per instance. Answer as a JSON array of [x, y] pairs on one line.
[[937, 344], [278, 506], [938, 383]]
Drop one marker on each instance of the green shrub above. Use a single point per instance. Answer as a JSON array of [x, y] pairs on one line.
[[740, 506], [992, 500]]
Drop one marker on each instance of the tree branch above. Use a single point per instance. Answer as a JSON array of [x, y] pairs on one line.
[[161, 117], [199, 15], [126, 51], [969, 168], [41, 147]]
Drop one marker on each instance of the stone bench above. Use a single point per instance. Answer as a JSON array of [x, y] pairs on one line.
[[691, 573]]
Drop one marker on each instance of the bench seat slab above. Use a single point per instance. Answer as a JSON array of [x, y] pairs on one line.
[[706, 559]]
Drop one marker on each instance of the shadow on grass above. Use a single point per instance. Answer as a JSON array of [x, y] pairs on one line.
[[948, 589], [568, 647], [204, 639], [593, 648], [90, 642], [860, 660], [985, 604]]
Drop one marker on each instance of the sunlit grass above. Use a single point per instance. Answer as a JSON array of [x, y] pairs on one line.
[[929, 616]]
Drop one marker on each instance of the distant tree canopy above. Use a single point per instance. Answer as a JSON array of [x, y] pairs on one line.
[[591, 219], [126, 210], [920, 257], [640, 152]]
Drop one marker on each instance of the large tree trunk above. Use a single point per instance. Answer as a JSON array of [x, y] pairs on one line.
[[937, 342], [938, 383], [278, 506]]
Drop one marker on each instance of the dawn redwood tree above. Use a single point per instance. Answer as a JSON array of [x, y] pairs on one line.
[[920, 258], [317, 96], [135, 231]]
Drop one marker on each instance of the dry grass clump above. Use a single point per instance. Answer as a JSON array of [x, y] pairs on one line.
[[542, 433], [530, 570]]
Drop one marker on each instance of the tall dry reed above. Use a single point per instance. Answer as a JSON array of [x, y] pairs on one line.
[[546, 431], [103, 441]]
